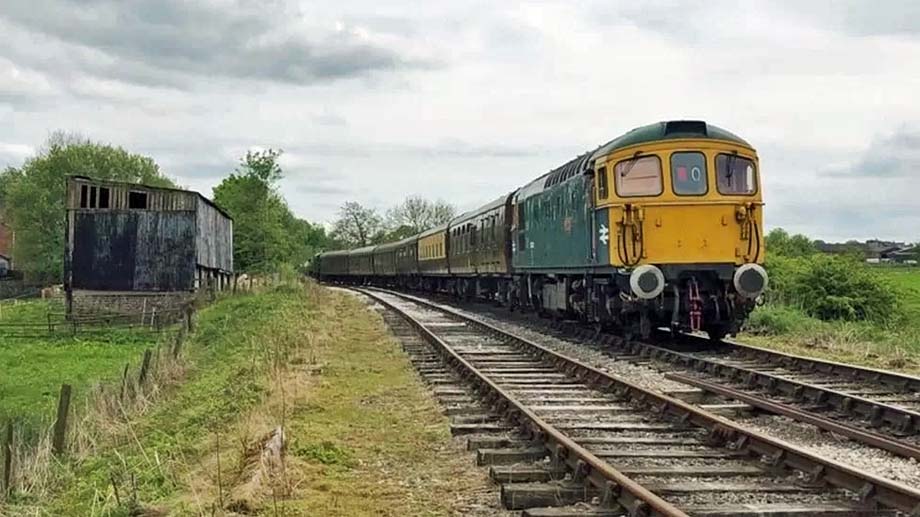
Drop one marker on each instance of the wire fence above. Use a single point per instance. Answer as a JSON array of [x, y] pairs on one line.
[[28, 449], [62, 325]]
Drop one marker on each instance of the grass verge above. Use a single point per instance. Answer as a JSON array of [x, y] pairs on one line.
[[363, 436], [894, 347]]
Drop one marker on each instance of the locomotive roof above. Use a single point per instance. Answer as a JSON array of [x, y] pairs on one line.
[[668, 130]]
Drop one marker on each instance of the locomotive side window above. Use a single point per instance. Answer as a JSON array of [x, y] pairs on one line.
[[688, 174], [638, 177], [602, 183], [735, 176]]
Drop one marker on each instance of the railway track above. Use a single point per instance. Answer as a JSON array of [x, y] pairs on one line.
[[878, 408], [557, 431]]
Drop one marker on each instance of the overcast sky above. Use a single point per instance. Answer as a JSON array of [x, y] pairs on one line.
[[467, 100]]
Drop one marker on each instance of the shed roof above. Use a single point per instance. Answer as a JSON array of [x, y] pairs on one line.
[[151, 187]]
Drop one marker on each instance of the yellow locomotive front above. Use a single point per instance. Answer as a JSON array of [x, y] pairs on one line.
[[679, 214]]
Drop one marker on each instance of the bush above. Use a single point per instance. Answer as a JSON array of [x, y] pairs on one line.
[[777, 319], [832, 288]]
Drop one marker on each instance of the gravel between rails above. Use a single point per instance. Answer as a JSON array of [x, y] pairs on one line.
[[862, 457]]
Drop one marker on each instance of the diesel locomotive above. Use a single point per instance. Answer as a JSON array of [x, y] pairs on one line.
[[660, 227]]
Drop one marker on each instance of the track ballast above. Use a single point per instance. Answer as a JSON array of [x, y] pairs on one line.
[[559, 431]]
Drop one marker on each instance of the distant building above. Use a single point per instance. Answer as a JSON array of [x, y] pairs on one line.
[[874, 251], [134, 247], [907, 255], [6, 249]]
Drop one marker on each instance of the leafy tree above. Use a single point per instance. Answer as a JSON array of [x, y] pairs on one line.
[[266, 234], [416, 214], [304, 240], [249, 195], [357, 225], [779, 242], [33, 195]]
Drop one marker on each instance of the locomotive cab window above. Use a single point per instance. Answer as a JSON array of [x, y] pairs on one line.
[[735, 176], [638, 177], [602, 183], [688, 174]]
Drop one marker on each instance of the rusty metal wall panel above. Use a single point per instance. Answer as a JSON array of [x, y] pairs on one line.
[[133, 250], [214, 242]]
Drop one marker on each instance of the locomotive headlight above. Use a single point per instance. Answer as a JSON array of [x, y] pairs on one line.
[[646, 281], [750, 280]]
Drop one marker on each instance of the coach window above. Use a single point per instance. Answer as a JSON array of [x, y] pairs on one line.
[[735, 176], [688, 174], [638, 177]]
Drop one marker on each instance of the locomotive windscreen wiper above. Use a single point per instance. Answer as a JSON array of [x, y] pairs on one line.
[[629, 167]]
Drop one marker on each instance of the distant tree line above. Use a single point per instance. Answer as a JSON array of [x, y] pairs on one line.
[[267, 234], [358, 226]]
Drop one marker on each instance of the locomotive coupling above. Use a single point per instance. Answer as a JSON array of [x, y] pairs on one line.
[[646, 281], [750, 280]]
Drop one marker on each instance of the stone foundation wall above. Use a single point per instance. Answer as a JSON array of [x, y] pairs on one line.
[[88, 303]]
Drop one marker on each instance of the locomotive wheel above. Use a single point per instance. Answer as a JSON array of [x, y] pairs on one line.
[[717, 331]]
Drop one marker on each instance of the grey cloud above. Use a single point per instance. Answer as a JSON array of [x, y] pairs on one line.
[[166, 43], [447, 148], [320, 189], [690, 22], [861, 17], [889, 156]]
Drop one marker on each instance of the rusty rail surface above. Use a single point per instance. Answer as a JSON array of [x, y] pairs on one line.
[[864, 373], [902, 420], [870, 438], [878, 414], [776, 452], [608, 480]]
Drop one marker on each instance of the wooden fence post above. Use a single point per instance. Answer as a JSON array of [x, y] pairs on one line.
[[60, 425], [189, 324], [145, 367], [8, 459], [124, 381], [177, 346]]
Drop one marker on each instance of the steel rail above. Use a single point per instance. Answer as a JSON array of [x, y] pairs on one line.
[[721, 430], [868, 437], [903, 420], [898, 380], [611, 483]]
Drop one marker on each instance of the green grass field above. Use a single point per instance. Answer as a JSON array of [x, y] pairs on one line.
[[907, 281], [33, 368]]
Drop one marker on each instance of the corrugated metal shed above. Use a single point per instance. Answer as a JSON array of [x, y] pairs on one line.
[[129, 237]]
